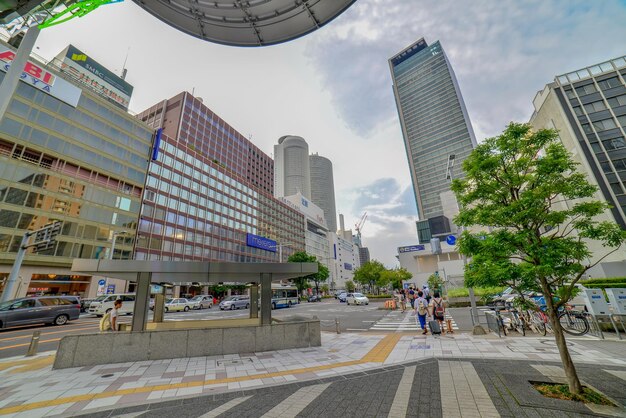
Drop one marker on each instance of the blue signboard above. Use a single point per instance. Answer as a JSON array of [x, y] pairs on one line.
[[261, 242], [101, 282], [406, 285], [411, 248], [157, 144], [347, 266], [110, 289], [451, 239]]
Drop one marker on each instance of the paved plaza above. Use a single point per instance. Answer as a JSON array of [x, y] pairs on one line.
[[351, 374]]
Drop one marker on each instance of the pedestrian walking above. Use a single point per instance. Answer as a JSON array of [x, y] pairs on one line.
[[438, 309], [421, 311], [403, 301], [109, 319], [412, 297], [426, 293]]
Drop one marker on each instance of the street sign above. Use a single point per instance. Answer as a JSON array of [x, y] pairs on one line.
[[110, 289], [45, 238], [101, 282], [406, 285], [451, 239]]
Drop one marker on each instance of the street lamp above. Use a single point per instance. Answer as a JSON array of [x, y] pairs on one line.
[[280, 250], [478, 329], [113, 239]]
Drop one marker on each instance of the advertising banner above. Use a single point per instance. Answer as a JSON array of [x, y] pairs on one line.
[[38, 77], [88, 71], [411, 248]]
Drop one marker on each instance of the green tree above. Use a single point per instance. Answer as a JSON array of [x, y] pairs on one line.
[[324, 288], [397, 276], [516, 185], [369, 274], [435, 282], [350, 287], [317, 278]]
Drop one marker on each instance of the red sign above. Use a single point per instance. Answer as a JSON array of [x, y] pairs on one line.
[[30, 69]]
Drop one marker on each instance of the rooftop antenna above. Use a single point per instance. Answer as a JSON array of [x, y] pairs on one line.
[[124, 69]]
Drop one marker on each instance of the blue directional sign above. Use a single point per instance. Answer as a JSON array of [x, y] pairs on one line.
[[101, 282], [451, 239]]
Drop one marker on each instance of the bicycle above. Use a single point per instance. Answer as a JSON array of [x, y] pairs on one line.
[[573, 322], [517, 322], [500, 320]]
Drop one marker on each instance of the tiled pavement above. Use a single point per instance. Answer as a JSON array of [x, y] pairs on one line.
[[31, 389]]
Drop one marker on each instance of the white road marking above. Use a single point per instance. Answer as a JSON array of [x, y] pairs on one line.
[[400, 403], [297, 402], [225, 407]]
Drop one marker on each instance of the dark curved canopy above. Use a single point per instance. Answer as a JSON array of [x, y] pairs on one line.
[[246, 23]]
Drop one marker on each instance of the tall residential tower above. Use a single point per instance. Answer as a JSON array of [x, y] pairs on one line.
[[435, 125]]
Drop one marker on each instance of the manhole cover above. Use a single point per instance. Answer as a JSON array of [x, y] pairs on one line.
[[234, 362]]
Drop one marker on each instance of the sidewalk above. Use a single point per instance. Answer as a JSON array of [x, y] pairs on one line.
[[30, 388]]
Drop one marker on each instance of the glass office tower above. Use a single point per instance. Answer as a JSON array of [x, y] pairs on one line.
[[434, 122]]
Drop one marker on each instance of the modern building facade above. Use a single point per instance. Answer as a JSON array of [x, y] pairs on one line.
[[364, 255], [435, 124], [67, 154], [323, 188], [588, 108], [291, 167], [193, 124]]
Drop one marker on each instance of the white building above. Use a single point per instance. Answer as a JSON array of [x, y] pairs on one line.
[[291, 167], [421, 263]]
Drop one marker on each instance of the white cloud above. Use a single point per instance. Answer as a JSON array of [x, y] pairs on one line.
[[333, 86]]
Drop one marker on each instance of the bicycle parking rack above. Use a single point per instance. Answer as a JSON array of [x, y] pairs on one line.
[[599, 309]]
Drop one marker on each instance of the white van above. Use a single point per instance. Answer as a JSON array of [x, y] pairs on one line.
[[104, 304]]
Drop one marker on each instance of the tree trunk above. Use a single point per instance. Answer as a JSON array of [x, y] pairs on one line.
[[566, 359]]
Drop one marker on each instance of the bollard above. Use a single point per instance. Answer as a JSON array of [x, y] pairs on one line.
[[337, 325], [34, 343]]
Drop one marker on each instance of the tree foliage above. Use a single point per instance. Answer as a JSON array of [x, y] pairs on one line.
[[370, 274], [317, 278], [350, 287], [537, 214]]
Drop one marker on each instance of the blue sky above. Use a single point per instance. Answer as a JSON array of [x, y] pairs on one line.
[[333, 87]]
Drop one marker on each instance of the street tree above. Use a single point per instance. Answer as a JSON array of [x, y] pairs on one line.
[[537, 216], [317, 278], [369, 274], [350, 287], [397, 276]]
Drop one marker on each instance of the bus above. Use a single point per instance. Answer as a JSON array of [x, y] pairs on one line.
[[284, 296]]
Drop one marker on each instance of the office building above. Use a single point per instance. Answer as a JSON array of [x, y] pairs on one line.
[[193, 124], [364, 255], [291, 167], [435, 124], [323, 188], [67, 154], [588, 108]]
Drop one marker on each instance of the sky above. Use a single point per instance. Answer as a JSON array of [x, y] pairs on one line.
[[333, 87]]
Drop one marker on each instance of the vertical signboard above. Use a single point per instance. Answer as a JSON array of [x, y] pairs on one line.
[[617, 297], [595, 301]]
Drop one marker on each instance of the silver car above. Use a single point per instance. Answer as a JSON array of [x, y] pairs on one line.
[[235, 302], [56, 310]]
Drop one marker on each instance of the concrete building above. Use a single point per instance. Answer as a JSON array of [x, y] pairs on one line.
[[69, 154], [421, 263], [186, 118], [588, 108], [291, 167], [323, 188], [364, 255], [435, 124]]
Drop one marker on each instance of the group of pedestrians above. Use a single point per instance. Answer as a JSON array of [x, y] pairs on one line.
[[429, 311]]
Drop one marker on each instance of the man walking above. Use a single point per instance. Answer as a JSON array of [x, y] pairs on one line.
[[421, 311]]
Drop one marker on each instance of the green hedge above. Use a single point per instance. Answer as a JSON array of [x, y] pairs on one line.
[[606, 286], [379, 296], [606, 281], [463, 292]]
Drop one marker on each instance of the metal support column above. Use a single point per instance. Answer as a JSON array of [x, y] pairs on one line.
[[8, 293], [266, 298], [12, 77], [142, 302], [254, 300]]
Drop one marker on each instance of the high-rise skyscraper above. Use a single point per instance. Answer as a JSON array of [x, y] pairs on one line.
[[323, 188], [435, 125], [291, 167]]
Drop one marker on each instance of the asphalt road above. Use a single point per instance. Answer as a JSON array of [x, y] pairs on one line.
[[15, 341]]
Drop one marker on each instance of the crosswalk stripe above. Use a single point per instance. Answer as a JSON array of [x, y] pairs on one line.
[[225, 407], [296, 403], [399, 321], [619, 373]]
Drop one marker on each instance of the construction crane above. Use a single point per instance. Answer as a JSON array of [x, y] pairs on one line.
[[359, 226]]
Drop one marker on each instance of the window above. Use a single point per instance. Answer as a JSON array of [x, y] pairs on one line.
[[622, 120], [24, 304], [579, 111], [587, 128], [615, 143], [570, 94], [620, 165], [617, 101], [588, 89], [595, 106], [603, 125], [609, 83], [49, 301]]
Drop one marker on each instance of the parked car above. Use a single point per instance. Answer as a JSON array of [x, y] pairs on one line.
[[56, 310], [177, 305], [101, 306], [235, 302], [86, 303], [342, 297], [338, 292], [202, 301], [314, 298], [357, 299]]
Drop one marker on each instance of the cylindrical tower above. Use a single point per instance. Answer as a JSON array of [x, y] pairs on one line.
[[323, 188], [291, 167]]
